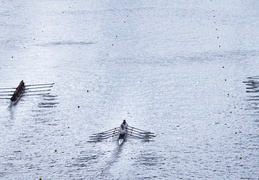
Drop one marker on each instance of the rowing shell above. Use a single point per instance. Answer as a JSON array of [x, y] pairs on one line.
[[18, 93], [122, 139]]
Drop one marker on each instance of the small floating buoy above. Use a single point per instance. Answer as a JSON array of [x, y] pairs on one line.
[[78, 106], [56, 150]]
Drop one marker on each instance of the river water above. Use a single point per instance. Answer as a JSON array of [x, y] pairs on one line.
[[186, 71]]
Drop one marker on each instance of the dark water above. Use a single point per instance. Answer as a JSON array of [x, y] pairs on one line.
[[187, 71]]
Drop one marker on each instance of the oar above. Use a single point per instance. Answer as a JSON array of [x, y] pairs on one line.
[[4, 98], [143, 134], [98, 139], [139, 130], [114, 129], [6, 91], [107, 131], [5, 94], [103, 135], [7, 88], [36, 94], [40, 84], [43, 87]]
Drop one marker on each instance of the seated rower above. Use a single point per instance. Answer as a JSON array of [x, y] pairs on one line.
[[18, 91], [122, 132], [125, 124]]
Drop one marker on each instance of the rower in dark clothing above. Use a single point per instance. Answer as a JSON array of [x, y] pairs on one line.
[[18, 91]]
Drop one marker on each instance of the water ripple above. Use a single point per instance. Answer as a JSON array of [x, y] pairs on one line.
[[67, 43], [252, 89]]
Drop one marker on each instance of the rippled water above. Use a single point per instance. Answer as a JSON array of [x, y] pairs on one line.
[[186, 71]]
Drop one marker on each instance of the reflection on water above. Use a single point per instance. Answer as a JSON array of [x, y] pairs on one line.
[[44, 112], [253, 93], [150, 158], [49, 101], [84, 158]]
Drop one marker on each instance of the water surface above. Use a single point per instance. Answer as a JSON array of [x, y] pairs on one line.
[[187, 71]]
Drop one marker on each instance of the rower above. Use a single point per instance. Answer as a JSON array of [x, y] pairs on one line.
[[122, 132], [18, 91], [125, 124]]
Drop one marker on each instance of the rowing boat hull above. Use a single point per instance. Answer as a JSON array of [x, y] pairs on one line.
[[121, 141], [14, 102]]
